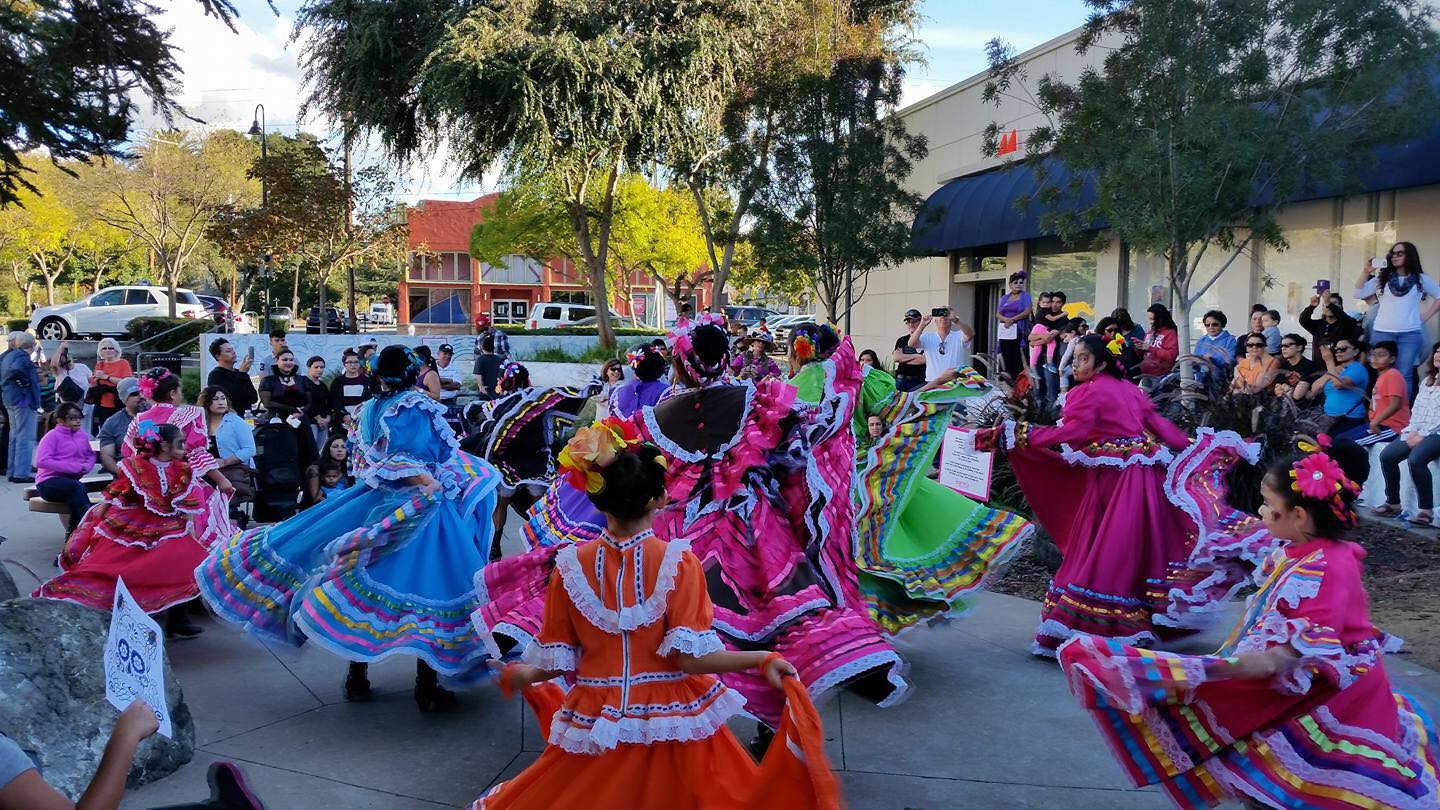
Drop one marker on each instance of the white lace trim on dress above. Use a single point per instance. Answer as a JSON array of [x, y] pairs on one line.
[[630, 617], [690, 642]]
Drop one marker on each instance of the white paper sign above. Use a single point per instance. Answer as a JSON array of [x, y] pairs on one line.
[[962, 467], [135, 659]]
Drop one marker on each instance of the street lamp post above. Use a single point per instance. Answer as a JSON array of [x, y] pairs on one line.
[[257, 129]]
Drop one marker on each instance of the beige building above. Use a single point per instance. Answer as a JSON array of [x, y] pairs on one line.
[[985, 237]]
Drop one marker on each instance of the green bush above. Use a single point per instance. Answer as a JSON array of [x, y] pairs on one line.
[[190, 384], [185, 338], [17, 324], [552, 354]]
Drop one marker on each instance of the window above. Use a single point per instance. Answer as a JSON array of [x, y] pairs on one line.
[[109, 298], [134, 297], [578, 313], [510, 311], [1147, 281], [454, 267], [514, 270], [1057, 267], [570, 297], [439, 306], [550, 313], [1329, 239], [983, 259]]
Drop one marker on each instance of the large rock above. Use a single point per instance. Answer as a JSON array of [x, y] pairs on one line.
[[7, 585], [52, 696]]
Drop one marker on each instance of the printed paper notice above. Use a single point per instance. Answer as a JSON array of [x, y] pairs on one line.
[[135, 659], [962, 467]]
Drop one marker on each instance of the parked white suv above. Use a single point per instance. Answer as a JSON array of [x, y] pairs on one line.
[[110, 311], [551, 316]]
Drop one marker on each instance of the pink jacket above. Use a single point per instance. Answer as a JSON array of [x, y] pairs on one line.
[[63, 451]]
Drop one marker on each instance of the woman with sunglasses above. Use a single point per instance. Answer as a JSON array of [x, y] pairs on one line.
[[1217, 345], [1011, 321], [1295, 374], [1343, 385], [1400, 285], [1256, 370]]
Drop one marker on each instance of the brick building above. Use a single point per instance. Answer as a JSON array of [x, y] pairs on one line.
[[444, 285]]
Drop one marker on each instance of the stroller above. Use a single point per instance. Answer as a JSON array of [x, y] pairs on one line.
[[277, 472]]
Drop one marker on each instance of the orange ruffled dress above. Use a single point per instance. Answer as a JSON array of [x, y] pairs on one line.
[[635, 732]]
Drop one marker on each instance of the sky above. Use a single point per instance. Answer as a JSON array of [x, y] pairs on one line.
[[226, 74]]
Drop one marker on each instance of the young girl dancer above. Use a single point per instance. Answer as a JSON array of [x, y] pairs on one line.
[[155, 529], [1295, 710], [383, 567], [628, 615]]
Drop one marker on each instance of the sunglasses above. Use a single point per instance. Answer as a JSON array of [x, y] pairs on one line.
[[1254, 345], [1284, 345], [1344, 348], [1397, 253], [1212, 325]]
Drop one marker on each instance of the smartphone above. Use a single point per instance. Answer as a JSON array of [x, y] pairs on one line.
[[939, 312], [250, 353], [1322, 286], [909, 350], [1377, 263]]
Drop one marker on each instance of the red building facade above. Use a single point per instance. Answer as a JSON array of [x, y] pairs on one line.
[[443, 285]]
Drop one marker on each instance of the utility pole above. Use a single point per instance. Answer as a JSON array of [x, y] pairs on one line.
[[349, 220]]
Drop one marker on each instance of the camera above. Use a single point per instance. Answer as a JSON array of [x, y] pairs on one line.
[[939, 312], [1377, 263]]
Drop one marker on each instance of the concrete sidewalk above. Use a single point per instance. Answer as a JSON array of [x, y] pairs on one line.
[[988, 725]]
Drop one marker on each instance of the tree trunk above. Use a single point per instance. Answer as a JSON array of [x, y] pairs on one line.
[[172, 280], [295, 297]]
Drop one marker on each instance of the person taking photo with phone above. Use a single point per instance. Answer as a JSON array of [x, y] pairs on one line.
[[1400, 283], [945, 348]]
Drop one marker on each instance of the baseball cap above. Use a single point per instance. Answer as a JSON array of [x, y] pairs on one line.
[[447, 348], [912, 313], [126, 387]]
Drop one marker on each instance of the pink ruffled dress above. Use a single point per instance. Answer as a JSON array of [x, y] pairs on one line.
[[760, 484], [1327, 732], [1096, 482]]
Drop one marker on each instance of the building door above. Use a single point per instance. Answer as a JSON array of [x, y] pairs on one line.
[[510, 311], [987, 300]]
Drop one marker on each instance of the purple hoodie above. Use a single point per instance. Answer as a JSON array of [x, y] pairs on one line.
[[65, 452]]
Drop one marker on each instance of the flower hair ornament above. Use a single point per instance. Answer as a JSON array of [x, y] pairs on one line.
[[681, 342], [150, 380], [594, 448], [147, 435], [803, 348], [1319, 478]]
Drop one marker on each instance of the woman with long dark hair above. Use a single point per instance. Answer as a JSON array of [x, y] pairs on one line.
[[384, 567], [1097, 483], [1161, 347], [1400, 285]]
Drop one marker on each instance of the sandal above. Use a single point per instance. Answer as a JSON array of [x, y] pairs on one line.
[[1386, 510], [1423, 518]]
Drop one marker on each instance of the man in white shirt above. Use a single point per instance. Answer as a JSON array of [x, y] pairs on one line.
[[946, 349], [451, 378]]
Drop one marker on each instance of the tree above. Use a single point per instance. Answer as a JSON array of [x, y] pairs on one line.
[[42, 228], [576, 90], [798, 43], [838, 207], [1205, 118], [174, 190], [313, 219], [72, 69], [657, 233]]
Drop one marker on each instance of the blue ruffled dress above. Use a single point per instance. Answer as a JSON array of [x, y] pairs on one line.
[[380, 568]]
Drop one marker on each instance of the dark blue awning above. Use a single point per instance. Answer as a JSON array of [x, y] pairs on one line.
[[981, 209]]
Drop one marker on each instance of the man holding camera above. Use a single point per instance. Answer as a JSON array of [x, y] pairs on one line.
[[946, 349]]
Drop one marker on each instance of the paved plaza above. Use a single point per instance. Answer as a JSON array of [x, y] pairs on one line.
[[987, 726]]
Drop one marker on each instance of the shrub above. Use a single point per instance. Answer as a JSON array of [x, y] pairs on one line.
[[184, 338], [17, 324], [190, 384]]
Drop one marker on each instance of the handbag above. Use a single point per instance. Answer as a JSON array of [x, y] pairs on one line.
[[69, 391]]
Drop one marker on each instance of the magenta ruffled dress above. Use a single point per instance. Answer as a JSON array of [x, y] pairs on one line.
[[1327, 732], [1096, 482], [760, 484]]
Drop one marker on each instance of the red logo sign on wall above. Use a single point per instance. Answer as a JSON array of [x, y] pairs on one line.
[[1009, 143]]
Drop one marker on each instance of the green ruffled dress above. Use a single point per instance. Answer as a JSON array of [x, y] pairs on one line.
[[921, 547]]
